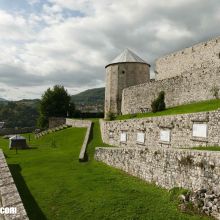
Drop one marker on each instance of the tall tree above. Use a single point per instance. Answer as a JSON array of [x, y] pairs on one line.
[[55, 102]]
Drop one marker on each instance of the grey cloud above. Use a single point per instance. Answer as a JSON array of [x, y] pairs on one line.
[[17, 76], [107, 37]]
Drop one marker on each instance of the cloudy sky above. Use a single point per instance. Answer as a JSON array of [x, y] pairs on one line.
[[68, 42]]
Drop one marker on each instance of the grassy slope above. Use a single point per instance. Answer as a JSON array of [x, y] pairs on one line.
[[209, 148], [182, 109], [54, 185]]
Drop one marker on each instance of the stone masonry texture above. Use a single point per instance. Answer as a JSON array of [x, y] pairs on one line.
[[120, 76], [186, 76], [191, 86], [168, 168], [56, 121], [198, 171], [180, 126], [197, 57], [9, 196]]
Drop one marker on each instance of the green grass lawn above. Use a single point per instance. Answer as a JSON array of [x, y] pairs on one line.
[[54, 185], [208, 148], [182, 109]]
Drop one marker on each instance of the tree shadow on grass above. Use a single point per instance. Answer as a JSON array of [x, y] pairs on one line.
[[33, 210]]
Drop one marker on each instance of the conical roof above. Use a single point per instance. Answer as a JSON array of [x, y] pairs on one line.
[[127, 56]]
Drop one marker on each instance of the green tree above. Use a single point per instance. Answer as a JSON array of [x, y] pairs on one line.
[[55, 102]]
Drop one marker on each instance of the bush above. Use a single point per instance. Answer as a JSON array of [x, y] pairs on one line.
[[110, 116], [215, 91], [159, 103]]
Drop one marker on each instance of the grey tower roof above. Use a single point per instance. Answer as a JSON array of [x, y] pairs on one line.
[[127, 56]]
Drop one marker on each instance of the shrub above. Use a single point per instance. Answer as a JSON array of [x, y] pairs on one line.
[[110, 116], [159, 103], [215, 91]]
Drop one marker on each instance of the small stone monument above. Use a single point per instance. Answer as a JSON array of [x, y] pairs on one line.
[[17, 142]]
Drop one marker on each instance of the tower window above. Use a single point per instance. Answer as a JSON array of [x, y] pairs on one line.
[[123, 72]]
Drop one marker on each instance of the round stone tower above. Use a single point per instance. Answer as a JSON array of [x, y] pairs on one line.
[[124, 71]]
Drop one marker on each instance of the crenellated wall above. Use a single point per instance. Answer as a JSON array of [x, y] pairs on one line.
[[191, 86], [180, 127], [198, 56]]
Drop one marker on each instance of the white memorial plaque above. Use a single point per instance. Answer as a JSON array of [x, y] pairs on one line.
[[123, 137], [200, 130], [111, 134], [140, 137], [165, 135]]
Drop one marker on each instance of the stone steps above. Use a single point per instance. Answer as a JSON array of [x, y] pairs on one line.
[[51, 130]]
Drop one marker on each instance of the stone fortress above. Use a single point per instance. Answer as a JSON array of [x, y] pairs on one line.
[[186, 76], [157, 149]]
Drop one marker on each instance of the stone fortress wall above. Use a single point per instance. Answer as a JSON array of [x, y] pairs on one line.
[[186, 76], [180, 128], [151, 148], [189, 87], [198, 56]]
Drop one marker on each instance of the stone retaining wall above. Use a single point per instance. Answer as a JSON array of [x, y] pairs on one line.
[[9, 196], [192, 86], [81, 124], [193, 170], [77, 122], [168, 168], [56, 121], [180, 127]]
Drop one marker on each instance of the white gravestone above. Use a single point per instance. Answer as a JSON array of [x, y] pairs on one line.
[[140, 137], [200, 130], [123, 137], [165, 135]]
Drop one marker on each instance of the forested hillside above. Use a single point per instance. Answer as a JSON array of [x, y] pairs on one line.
[[90, 97], [22, 113]]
